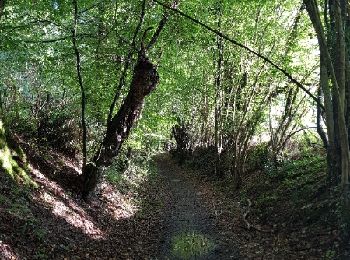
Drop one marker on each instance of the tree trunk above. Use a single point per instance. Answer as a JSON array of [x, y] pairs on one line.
[[333, 168], [81, 85], [145, 79], [336, 69], [218, 97]]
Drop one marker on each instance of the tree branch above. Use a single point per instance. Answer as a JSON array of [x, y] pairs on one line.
[[158, 31], [222, 35], [127, 63]]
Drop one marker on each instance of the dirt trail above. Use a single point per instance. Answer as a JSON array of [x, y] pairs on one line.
[[189, 230]]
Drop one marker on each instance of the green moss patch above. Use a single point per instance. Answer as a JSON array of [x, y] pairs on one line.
[[9, 161]]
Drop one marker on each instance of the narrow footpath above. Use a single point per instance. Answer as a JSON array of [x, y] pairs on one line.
[[190, 229]]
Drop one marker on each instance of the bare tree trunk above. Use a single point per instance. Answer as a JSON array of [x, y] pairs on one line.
[[144, 81], [333, 173], [80, 80], [340, 66], [320, 130], [218, 83], [336, 69]]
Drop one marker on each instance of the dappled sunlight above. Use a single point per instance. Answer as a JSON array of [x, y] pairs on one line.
[[117, 205], [63, 206], [6, 252], [5, 156], [72, 165], [12, 168], [77, 219]]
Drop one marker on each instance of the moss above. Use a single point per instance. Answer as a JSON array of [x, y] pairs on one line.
[[10, 165], [191, 245], [114, 177]]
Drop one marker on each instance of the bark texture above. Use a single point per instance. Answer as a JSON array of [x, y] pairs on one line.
[[145, 80], [334, 65]]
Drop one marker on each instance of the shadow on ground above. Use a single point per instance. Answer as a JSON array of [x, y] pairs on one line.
[[51, 222]]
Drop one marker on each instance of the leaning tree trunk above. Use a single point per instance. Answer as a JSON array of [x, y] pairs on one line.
[[145, 79]]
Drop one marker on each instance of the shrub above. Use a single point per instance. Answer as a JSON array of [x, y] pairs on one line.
[[258, 157], [60, 131]]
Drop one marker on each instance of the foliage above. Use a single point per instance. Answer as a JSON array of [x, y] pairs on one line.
[[59, 131], [186, 55], [258, 157], [203, 158], [130, 171], [227, 110], [297, 181]]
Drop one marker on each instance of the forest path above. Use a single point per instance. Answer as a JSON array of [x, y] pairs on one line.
[[189, 226]]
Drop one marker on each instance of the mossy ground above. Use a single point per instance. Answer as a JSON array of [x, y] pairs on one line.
[[13, 160]]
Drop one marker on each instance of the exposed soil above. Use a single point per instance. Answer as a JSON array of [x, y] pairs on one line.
[[268, 221]]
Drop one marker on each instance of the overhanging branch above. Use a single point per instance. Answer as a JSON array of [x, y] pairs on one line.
[[227, 38]]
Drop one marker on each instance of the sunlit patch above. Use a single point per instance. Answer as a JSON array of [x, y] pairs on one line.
[[72, 165], [73, 215], [191, 245], [11, 166], [117, 205], [6, 252], [63, 206], [6, 158]]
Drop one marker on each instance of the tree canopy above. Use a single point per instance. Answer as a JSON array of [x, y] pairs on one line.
[[242, 82]]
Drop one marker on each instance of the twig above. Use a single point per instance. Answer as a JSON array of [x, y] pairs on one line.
[[245, 214]]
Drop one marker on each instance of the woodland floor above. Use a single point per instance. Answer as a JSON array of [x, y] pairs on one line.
[[190, 229], [269, 218], [176, 214]]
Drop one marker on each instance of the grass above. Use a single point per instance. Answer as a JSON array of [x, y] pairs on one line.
[[294, 180], [191, 245]]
